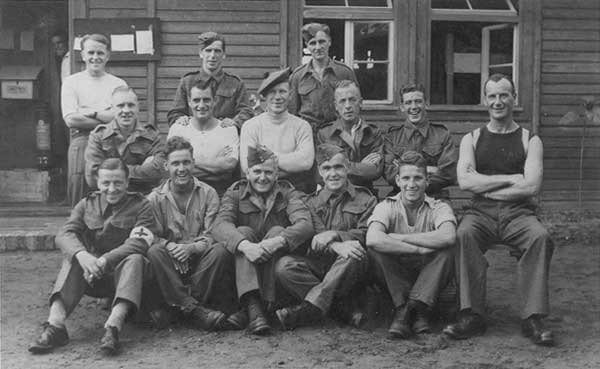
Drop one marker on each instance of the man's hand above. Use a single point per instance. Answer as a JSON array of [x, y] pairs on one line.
[[349, 249], [373, 158], [272, 245], [431, 170], [253, 252], [89, 264], [321, 241], [226, 151], [228, 122], [180, 251], [183, 120], [148, 160]]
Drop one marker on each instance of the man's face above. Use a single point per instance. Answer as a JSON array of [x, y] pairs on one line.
[[126, 109], [500, 99], [278, 97], [201, 103], [413, 104], [180, 164], [212, 57], [412, 182], [347, 104], [262, 177], [335, 173], [113, 184], [318, 46], [94, 55], [60, 46]]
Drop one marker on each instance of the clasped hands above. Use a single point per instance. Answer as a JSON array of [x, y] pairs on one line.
[[262, 251], [93, 267], [330, 240]]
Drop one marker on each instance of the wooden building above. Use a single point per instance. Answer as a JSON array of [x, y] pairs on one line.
[[550, 47]]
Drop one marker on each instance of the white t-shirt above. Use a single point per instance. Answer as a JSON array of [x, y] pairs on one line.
[[207, 144], [83, 93]]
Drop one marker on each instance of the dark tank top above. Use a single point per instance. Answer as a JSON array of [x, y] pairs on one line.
[[500, 153]]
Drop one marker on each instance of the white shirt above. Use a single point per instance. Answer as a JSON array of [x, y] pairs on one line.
[[83, 93], [207, 144]]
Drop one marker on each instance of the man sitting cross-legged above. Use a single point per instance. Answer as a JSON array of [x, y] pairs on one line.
[[260, 220], [337, 260], [410, 241], [184, 209], [104, 243]]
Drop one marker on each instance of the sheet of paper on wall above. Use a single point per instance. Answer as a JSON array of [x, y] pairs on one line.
[[7, 39], [27, 41], [143, 42], [77, 43], [121, 42]]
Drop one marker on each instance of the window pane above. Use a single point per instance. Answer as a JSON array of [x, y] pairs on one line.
[[336, 29], [490, 4], [501, 42], [449, 4], [375, 3], [373, 80], [371, 41], [326, 2]]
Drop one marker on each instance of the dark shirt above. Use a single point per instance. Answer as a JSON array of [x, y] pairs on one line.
[[106, 141], [231, 99], [312, 99], [500, 153], [367, 139], [106, 230], [431, 140], [241, 206]]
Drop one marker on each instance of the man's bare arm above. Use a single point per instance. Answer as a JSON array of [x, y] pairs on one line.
[[380, 241], [441, 238]]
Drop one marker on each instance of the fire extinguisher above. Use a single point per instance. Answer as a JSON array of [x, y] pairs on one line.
[[43, 137]]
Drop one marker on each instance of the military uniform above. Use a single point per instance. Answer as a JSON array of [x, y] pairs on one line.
[[106, 141], [313, 99], [320, 277], [366, 140], [121, 233], [431, 140], [231, 99], [245, 216], [211, 270]]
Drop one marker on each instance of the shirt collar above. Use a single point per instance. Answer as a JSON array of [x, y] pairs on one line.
[[165, 188], [112, 128], [205, 76], [248, 191], [422, 128], [339, 126], [325, 194], [427, 200], [310, 69]]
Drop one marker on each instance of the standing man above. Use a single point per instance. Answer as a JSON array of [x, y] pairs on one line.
[[260, 220], [362, 142], [231, 101], [431, 140], [312, 84], [215, 147], [410, 240], [184, 209], [125, 137], [502, 164], [86, 103], [104, 243], [288, 136], [337, 261]]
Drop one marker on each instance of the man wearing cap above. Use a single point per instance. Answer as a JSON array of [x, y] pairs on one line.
[[261, 219], [410, 241], [231, 101], [125, 137], [431, 140], [361, 141], [312, 84], [288, 136], [337, 263]]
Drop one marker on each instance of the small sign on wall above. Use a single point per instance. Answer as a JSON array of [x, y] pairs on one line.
[[17, 90], [20, 81]]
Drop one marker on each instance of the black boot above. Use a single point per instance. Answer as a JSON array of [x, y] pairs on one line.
[[257, 321], [299, 315]]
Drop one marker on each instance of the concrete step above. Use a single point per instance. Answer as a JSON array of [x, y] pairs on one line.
[[29, 233]]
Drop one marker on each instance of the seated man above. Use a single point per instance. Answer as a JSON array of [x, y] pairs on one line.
[[184, 209], [410, 241], [104, 243], [362, 142], [125, 137], [337, 261], [288, 136], [260, 220], [502, 164], [215, 146]]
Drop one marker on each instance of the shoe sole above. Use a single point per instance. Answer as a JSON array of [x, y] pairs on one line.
[[109, 351], [45, 349], [458, 336], [281, 317]]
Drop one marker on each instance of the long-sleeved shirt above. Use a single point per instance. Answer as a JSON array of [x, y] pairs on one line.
[[189, 227], [106, 230], [366, 140], [431, 140], [241, 206], [231, 98], [106, 141], [346, 213]]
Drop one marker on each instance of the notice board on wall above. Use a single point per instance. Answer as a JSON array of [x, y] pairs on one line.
[[131, 38]]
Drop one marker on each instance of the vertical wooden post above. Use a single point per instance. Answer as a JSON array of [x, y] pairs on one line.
[[283, 33], [449, 56], [537, 67], [77, 9], [151, 79]]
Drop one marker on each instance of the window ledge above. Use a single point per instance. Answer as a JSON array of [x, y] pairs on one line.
[[381, 107], [465, 108]]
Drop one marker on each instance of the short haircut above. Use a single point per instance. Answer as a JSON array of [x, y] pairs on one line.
[[411, 87], [411, 158], [98, 38], [124, 88], [114, 164], [497, 77], [177, 143], [346, 83], [204, 85]]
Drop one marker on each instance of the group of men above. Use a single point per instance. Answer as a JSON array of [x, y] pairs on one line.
[[238, 235]]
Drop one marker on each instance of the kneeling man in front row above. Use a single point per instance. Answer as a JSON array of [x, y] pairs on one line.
[[410, 241], [104, 243]]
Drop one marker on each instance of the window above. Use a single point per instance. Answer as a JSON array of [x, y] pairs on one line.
[[362, 36], [470, 40]]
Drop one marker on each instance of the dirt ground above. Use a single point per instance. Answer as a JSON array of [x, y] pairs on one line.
[[27, 277]]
